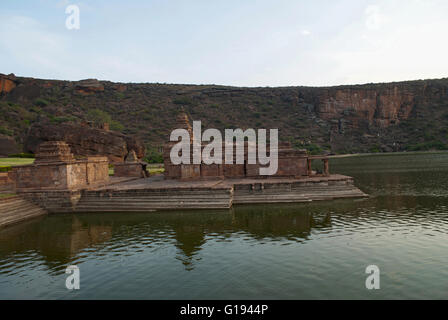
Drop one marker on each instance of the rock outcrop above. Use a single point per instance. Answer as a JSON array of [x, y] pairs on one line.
[[85, 141], [7, 83], [377, 106], [88, 86], [8, 145], [410, 115]]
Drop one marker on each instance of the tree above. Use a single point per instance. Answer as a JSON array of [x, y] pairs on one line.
[[98, 116]]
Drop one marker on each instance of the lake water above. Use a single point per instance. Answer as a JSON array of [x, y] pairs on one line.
[[295, 251]]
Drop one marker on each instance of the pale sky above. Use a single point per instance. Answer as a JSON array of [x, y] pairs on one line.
[[241, 43]]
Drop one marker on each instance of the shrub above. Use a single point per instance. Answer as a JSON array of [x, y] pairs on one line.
[[115, 125], [183, 101], [313, 148], [6, 131], [41, 102], [375, 149], [425, 146], [98, 116], [153, 156], [5, 168], [62, 119], [21, 155]]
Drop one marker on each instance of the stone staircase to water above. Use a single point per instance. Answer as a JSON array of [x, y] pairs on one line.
[[15, 209], [295, 192], [141, 200]]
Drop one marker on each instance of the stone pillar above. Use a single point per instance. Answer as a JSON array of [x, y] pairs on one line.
[[326, 167]]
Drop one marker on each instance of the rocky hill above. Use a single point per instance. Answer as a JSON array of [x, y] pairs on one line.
[[397, 116]]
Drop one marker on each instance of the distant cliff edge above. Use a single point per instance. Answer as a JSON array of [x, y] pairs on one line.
[[399, 116]]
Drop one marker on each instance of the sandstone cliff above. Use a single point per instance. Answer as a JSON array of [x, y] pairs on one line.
[[410, 115], [7, 83]]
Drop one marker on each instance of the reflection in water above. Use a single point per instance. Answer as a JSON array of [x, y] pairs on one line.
[[314, 250], [59, 239]]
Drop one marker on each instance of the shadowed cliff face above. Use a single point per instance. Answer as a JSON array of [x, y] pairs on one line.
[[398, 116]]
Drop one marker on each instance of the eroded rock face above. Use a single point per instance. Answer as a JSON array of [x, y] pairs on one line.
[[355, 118], [378, 107], [88, 86], [85, 141], [7, 83]]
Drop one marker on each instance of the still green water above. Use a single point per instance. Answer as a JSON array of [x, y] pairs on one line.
[[294, 251]]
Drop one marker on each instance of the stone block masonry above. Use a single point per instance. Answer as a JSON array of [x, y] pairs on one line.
[[55, 168], [153, 194], [59, 183], [291, 163]]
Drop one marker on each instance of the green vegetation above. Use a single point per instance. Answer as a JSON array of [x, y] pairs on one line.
[[41, 102], [426, 146], [155, 170], [15, 161], [58, 120], [375, 149], [183, 101], [99, 117], [151, 169], [119, 95], [6, 195], [6, 131], [21, 155], [313, 149], [148, 112], [152, 155], [116, 126], [6, 164]]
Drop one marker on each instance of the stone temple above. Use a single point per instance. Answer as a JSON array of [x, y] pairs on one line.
[[291, 163], [59, 182], [55, 168]]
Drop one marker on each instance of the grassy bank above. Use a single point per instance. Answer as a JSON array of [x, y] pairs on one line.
[[15, 161], [153, 168], [6, 195], [386, 154], [7, 163]]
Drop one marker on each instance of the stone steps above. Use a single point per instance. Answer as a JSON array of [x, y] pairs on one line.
[[9, 199], [154, 199], [311, 194], [148, 198], [174, 197], [19, 213], [16, 209], [18, 204], [127, 207]]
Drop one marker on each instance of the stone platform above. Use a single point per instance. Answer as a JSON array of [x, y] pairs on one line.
[[155, 193]]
